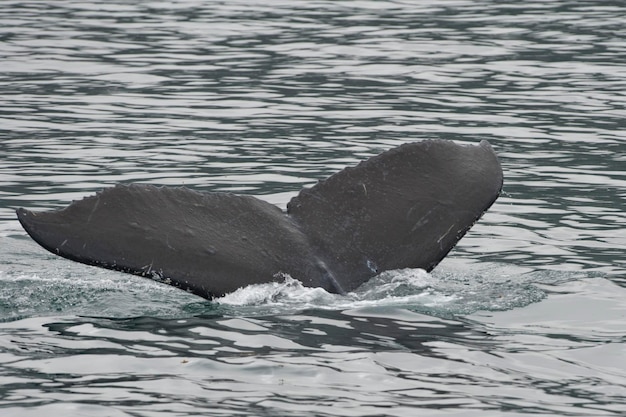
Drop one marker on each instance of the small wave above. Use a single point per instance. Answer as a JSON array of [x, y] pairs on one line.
[[99, 293], [444, 294], [87, 291], [288, 292]]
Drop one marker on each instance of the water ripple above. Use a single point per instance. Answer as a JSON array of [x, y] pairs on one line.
[[266, 98]]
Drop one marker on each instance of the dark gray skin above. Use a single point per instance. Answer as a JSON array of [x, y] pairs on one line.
[[405, 208]]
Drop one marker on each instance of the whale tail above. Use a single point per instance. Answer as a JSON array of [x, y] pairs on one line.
[[405, 208]]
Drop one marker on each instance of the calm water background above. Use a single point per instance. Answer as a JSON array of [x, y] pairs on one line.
[[526, 316]]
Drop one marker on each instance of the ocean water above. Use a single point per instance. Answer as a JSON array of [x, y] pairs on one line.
[[526, 316]]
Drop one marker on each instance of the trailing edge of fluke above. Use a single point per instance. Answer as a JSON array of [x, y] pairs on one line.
[[404, 208]]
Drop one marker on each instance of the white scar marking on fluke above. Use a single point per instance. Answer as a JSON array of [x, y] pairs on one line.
[[421, 221], [372, 266], [93, 210], [148, 267], [445, 234]]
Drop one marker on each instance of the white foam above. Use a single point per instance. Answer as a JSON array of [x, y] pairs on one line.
[[289, 291], [400, 288], [414, 289]]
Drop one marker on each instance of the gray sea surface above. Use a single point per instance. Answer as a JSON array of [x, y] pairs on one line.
[[526, 316]]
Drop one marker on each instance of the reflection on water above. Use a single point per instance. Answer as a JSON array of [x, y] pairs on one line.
[[266, 98]]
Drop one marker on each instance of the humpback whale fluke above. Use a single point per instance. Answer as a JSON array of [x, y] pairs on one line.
[[404, 208]]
